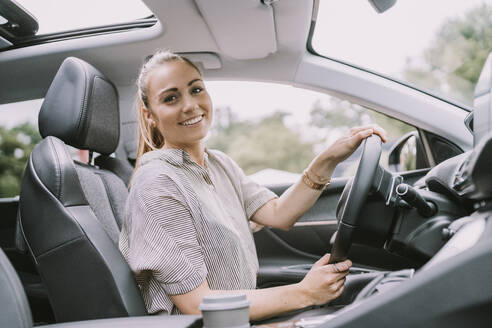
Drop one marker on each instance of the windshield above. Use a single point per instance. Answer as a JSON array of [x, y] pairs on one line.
[[58, 16], [439, 46]]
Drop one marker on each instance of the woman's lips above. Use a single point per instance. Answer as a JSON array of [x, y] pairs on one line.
[[192, 121]]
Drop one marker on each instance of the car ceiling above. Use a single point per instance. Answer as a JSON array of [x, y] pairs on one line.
[[230, 39]]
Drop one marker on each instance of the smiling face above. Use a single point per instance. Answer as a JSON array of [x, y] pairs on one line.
[[179, 104]]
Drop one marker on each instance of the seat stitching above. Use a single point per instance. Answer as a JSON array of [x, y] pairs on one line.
[[58, 186], [84, 101], [71, 241]]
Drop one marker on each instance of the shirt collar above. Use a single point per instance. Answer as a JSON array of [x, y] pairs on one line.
[[176, 157]]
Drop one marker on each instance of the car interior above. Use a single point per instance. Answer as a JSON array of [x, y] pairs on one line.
[[419, 239]]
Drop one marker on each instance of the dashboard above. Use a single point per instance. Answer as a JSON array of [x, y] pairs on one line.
[[453, 287]]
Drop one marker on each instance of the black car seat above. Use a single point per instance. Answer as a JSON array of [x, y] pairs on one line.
[[71, 212], [15, 312], [14, 309]]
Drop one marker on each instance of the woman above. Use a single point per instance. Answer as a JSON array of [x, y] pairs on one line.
[[186, 231]]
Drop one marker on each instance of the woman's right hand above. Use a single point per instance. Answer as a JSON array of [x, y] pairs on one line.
[[324, 282]]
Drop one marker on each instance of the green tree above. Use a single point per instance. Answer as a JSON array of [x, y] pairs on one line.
[[336, 115], [453, 62], [267, 144], [226, 128], [16, 145]]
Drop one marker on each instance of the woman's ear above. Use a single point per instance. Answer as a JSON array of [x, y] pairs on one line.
[[148, 116]]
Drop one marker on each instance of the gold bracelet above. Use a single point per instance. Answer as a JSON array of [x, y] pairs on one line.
[[321, 180], [311, 184]]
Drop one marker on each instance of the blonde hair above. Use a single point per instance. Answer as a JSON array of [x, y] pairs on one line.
[[149, 137]]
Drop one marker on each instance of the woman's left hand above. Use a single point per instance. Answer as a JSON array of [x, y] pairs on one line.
[[324, 164]]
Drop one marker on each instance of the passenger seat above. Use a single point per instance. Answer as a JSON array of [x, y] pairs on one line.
[[71, 212]]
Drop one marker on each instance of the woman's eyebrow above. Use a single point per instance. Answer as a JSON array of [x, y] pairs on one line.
[[166, 90], [192, 81], [176, 89]]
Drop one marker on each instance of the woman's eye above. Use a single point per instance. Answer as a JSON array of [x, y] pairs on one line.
[[196, 90], [170, 98]]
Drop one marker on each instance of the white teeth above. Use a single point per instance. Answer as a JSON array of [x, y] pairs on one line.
[[192, 121]]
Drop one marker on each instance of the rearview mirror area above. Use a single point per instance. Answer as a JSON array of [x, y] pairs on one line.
[[382, 5]]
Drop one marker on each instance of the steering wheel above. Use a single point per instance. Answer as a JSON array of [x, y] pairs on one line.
[[354, 196]]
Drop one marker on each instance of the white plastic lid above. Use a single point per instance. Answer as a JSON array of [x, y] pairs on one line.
[[223, 302]]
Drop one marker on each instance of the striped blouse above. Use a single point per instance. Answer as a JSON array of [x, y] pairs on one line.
[[185, 223]]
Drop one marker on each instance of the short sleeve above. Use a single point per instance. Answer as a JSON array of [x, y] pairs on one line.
[[163, 237], [253, 195]]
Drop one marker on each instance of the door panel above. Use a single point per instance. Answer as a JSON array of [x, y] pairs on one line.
[[324, 210], [311, 239], [8, 210], [286, 256]]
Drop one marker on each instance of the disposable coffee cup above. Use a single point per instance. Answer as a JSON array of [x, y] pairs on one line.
[[225, 311]]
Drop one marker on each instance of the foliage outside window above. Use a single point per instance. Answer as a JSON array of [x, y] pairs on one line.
[[18, 136], [272, 139], [256, 146], [16, 144]]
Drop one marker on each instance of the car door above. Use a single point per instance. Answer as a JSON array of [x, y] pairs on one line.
[[274, 142]]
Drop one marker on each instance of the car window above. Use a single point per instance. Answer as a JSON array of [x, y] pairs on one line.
[[273, 131], [18, 135], [439, 45], [75, 14]]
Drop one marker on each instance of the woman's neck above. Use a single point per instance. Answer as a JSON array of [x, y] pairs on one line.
[[196, 151]]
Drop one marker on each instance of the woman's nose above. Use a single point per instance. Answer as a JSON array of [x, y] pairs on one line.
[[189, 105]]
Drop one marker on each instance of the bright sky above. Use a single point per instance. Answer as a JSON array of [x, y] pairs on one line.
[[349, 30], [382, 42], [250, 99], [52, 17]]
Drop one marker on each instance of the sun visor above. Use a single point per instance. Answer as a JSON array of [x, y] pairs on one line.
[[243, 29]]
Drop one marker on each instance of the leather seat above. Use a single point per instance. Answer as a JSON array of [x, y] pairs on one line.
[[15, 312], [14, 309], [71, 212]]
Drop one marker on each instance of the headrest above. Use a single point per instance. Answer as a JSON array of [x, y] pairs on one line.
[[81, 108]]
